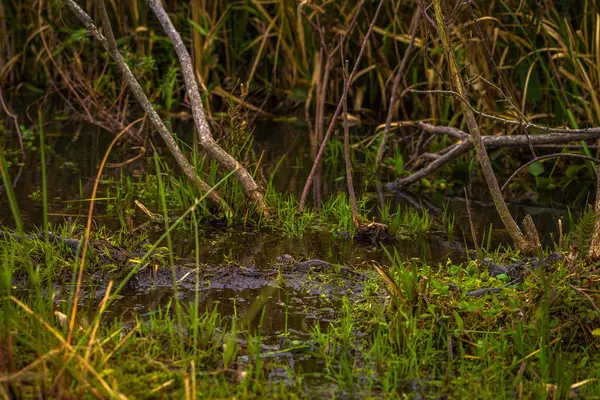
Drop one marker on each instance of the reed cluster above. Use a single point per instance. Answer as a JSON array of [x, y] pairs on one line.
[[537, 58]]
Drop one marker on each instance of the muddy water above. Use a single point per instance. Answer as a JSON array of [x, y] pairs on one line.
[[74, 153], [292, 307]]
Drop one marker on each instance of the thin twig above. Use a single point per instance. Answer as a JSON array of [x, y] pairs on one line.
[[56, 66], [317, 161], [526, 125], [546, 157], [16, 123], [396, 85], [349, 181]]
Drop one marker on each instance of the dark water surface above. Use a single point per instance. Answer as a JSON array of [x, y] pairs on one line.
[[75, 155], [73, 158], [72, 165]]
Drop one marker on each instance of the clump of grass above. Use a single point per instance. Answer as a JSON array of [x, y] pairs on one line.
[[292, 221], [337, 210], [428, 329], [53, 258], [406, 222]]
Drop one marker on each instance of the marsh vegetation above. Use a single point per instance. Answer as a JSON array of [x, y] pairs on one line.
[[299, 199]]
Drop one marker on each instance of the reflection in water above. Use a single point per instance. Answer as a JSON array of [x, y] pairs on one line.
[[278, 313], [71, 168]]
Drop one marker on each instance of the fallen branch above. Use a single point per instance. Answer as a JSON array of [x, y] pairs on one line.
[[490, 142]]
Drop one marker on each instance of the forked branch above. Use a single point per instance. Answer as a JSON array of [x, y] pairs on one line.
[[110, 46], [452, 152]]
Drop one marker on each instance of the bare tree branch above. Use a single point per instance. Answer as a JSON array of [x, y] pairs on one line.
[[111, 47], [253, 191], [317, 161], [490, 142], [456, 151], [529, 242]]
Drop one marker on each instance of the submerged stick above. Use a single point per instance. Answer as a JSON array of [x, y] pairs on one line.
[[319, 156]]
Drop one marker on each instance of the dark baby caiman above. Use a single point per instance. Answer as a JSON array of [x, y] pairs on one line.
[[516, 271]]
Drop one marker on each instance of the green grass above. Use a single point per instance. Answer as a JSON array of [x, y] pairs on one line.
[[435, 341], [422, 338], [536, 340], [407, 222]]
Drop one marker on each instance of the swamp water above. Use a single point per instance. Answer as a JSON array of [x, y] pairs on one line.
[[239, 272]]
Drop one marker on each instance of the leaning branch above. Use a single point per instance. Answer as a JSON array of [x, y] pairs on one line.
[[529, 242], [111, 47], [317, 161], [594, 252], [253, 191]]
